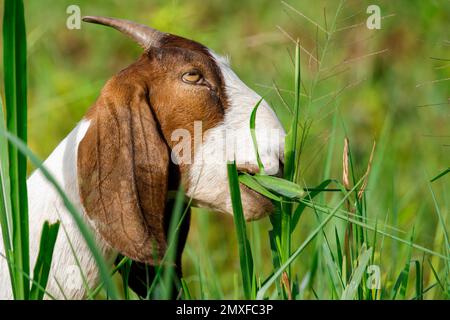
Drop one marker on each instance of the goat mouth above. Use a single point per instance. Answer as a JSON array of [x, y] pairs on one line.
[[250, 169], [255, 205]]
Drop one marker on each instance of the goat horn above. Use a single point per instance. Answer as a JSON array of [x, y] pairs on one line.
[[145, 36]]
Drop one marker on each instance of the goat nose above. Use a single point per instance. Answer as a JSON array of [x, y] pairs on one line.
[[275, 169]]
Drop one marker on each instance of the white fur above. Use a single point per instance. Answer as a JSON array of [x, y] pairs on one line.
[[45, 204], [232, 139]]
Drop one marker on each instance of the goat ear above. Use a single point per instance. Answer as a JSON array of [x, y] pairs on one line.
[[123, 166]]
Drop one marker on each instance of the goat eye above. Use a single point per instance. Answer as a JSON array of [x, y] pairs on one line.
[[192, 77]]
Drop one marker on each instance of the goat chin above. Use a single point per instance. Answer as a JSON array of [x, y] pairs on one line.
[[65, 280]]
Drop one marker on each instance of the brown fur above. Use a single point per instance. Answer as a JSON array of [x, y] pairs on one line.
[[123, 159]]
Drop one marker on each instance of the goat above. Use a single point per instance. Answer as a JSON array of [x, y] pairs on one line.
[[118, 163]]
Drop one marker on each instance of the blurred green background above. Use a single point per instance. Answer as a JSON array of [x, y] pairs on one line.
[[372, 85]]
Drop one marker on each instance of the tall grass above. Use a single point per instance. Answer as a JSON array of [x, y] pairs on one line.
[[348, 259], [15, 79]]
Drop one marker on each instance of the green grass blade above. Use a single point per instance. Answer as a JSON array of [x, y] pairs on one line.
[[331, 145], [77, 264], [124, 261], [159, 270], [291, 157], [44, 260], [292, 136], [274, 247], [290, 153], [283, 187], [15, 78], [245, 254], [186, 293], [440, 175], [419, 280], [402, 280], [126, 268], [333, 269], [84, 230], [436, 276], [250, 182], [5, 208], [338, 248], [169, 272], [444, 229], [355, 280], [200, 282], [253, 133], [6, 218]]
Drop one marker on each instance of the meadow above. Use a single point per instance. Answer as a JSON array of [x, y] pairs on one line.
[[370, 109]]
